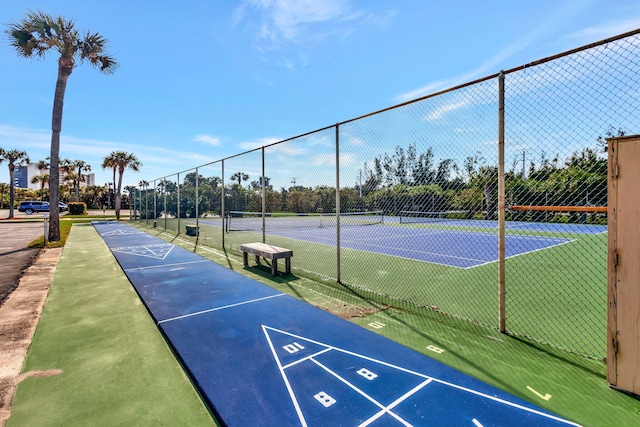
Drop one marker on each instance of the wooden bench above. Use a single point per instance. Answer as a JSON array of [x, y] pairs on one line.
[[266, 251]]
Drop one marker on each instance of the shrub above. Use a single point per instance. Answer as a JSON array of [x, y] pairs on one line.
[[77, 208]]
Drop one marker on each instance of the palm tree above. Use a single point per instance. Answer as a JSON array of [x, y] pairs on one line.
[[4, 187], [109, 162], [42, 179], [92, 194], [239, 176], [120, 160], [78, 167], [34, 36], [14, 158], [66, 167]]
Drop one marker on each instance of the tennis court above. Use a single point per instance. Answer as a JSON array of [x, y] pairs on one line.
[[450, 242]]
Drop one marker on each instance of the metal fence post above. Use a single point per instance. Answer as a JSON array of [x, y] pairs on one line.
[[178, 199], [155, 203], [197, 207], [146, 202], [264, 204], [222, 207], [338, 203], [501, 209]]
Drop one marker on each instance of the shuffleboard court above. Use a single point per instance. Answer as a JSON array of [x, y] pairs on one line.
[[263, 358]]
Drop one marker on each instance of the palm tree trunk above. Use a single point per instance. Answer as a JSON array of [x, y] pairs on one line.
[[65, 66], [12, 168], [78, 185], [120, 173]]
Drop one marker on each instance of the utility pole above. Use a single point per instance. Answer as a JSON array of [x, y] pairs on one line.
[[293, 180]]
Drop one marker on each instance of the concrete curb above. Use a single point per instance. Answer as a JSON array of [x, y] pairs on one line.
[[19, 316]]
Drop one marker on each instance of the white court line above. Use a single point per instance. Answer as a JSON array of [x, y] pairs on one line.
[[307, 358], [396, 402], [219, 308], [419, 252], [409, 371], [148, 249], [369, 398], [479, 262], [287, 384], [523, 253], [166, 265], [507, 403]]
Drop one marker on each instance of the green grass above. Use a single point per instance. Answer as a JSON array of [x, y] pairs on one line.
[[66, 222]]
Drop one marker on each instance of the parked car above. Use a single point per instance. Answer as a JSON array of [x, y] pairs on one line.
[[39, 206], [33, 206]]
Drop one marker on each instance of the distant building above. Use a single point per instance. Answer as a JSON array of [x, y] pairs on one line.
[[23, 175]]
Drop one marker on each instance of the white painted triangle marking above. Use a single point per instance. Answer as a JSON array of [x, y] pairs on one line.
[[121, 232], [304, 349], [156, 251], [309, 349]]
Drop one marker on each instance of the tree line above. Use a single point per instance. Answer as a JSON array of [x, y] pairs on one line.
[[406, 180], [74, 171]]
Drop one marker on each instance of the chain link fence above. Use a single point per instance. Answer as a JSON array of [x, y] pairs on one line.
[[485, 202]]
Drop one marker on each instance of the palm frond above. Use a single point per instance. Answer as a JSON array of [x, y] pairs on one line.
[[92, 48], [33, 35]]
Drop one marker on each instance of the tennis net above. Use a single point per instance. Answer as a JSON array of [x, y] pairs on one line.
[[252, 221], [417, 217]]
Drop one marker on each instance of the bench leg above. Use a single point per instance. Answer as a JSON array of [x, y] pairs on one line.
[[274, 267], [245, 258], [258, 259], [287, 265]]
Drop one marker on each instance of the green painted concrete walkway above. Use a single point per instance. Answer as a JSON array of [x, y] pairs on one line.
[[116, 368]]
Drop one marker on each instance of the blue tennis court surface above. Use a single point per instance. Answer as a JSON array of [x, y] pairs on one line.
[[262, 358], [451, 247]]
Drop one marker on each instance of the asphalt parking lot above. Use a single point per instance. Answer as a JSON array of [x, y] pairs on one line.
[[15, 257]]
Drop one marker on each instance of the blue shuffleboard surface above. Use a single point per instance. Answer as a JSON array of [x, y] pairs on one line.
[[263, 358]]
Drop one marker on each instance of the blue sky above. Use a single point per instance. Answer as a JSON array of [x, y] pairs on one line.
[[208, 79]]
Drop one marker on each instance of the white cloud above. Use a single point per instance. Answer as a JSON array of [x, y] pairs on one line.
[[438, 112], [328, 159], [603, 31], [287, 148], [425, 90], [156, 162], [301, 24], [499, 60], [288, 19], [356, 141], [208, 139]]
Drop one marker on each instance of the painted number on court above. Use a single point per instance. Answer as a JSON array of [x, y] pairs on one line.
[[367, 374], [293, 348], [377, 325], [435, 349], [325, 399]]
